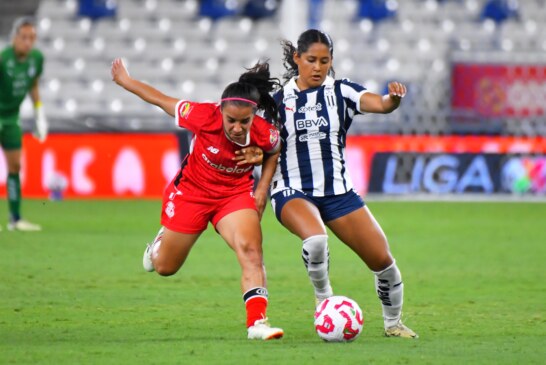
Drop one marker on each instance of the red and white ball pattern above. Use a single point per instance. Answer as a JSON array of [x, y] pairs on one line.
[[338, 319]]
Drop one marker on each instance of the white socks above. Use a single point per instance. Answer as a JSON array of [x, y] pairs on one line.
[[316, 259], [390, 290], [388, 282]]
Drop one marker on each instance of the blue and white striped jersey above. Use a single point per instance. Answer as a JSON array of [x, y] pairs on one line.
[[314, 125]]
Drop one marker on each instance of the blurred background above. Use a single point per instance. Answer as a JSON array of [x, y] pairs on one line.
[[473, 121]]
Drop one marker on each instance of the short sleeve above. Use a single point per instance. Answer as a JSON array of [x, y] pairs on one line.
[[194, 116], [352, 92], [268, 136]]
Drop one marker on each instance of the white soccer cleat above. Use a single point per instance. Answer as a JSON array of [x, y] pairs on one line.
[[319, 298], [400, 330], [263, 331], [147, 259], [23, 226]]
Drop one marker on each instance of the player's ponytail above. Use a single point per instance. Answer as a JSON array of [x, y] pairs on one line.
[[254, 87], [288, 51], [305, 40]]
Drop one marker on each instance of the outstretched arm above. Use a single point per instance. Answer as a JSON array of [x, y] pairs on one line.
[[374, 103], [120, 75]]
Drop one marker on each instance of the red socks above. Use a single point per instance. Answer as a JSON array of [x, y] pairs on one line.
[[256, 305]]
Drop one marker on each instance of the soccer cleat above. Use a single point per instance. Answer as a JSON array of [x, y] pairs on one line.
[[23, 226], [318, 301], [263, 331], [400, 330], [320, 298], [147, 258]]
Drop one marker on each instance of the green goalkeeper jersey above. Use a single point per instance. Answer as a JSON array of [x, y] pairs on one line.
[[17, 78]]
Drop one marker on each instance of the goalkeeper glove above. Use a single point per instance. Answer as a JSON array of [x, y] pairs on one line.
[[40, 122]]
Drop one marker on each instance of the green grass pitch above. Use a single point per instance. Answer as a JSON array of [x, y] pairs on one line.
[[76, 293]]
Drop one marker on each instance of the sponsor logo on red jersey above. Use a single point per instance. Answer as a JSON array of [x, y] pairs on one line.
[[231, 170], [185, 110]]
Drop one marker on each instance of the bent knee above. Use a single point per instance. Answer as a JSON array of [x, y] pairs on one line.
[[381, 263], [250, 251], [14, 168], [165, 270]]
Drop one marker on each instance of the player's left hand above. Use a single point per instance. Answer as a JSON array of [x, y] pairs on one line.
[[397, 90], [249, 155], [260, 199]]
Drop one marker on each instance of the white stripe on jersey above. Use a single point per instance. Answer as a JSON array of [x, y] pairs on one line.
[[312, 155], [292, 163], [315, 152]]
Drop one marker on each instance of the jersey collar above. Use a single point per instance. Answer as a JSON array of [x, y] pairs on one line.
[[239, 144], [328, 81]]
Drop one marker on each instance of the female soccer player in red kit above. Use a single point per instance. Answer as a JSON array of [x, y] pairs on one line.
[[215, 181]]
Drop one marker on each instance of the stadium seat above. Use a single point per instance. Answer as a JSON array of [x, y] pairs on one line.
[[500, 10], [172, 44], [376, 10]]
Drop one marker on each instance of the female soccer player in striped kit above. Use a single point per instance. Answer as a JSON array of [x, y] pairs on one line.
[[311, 187], [215, 182]]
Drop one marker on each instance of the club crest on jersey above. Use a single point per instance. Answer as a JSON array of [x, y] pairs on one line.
[[273, 136], [311, 123], [169, 209], [185, 110]]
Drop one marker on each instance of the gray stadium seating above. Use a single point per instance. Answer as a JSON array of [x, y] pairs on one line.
[[167, 44]]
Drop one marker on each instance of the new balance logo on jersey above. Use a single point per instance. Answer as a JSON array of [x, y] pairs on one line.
[[310, 123], [213, 150]]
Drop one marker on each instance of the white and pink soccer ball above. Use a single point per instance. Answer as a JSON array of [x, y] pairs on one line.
[[338, 319]]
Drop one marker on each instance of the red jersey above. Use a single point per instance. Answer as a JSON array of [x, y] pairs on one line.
[[209, 171]]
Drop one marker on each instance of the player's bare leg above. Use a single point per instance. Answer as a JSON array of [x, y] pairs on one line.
[[360, 231], [168, 252], [242, 232], [303, 219]]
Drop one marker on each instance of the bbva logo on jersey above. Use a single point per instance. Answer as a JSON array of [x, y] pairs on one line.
[[310, 123]]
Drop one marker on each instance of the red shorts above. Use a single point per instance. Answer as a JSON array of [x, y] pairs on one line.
[[190, 214]]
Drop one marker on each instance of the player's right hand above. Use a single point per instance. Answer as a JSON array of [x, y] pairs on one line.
[[119, 71], [251, 155]]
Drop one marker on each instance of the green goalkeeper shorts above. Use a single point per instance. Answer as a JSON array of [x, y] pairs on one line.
[[11, 134]]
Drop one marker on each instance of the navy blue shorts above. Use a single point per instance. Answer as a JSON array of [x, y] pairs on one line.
[[330, 207]]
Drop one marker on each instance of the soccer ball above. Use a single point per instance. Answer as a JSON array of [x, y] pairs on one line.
[[338, 319]]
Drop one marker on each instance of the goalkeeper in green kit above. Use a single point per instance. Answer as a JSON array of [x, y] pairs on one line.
[[20, 68]]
